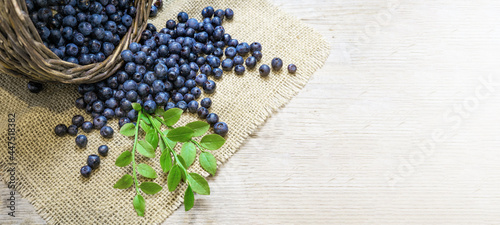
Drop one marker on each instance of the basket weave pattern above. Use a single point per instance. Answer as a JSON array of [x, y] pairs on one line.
[[23, 54]]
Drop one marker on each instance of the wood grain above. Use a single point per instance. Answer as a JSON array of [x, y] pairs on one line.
[[391, 130]]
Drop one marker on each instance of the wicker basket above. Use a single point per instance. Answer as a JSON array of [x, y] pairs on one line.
[[23, 54]]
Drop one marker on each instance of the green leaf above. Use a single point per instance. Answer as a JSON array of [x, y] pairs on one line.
[[139, 205], [188, 153], [137, 107], [150, 188], [124, 159], [146, 171], [170, 142], [145, 149], [172, 115], [145, 118], [155, 122], [165, 161], [199, 127], [159, 111], [208, 162], [124, 182], [181, 160], [152, 138], [147, 128], [128, 129], [188, 199], [174, 177], [198, 184], [212, 141], [180, 134]]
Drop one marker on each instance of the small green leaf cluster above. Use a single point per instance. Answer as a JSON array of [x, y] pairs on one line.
[[160, 134]]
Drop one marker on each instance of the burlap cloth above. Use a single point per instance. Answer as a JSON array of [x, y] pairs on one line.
[[47, 170]]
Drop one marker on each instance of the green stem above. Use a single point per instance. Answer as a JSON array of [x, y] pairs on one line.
[[198, 144], [166, 143], [134, 167], [163, 122]]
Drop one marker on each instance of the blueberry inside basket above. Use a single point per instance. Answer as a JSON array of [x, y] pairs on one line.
[[24, 54]]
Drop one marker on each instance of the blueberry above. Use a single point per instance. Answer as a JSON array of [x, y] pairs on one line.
[[34, 87], [181, 105], [107, 132], [251, 62], [87, 126], [227, 64], [243, 48], [134, 47], [161, 98], [127, 56], [127, 20], [85, 28], [80, 103], [150, 106], [192, 106], [85, 171], [239, 69], [123, 121], [257, 55], [206, 69], [77, 120], [177, 97], [276, 63], [202, 112], [219, 13], [217, 72], [100, 122], [169, 105], [67, 33], [61, 130], [233, 43], [93, 161], [131, 96], [200, 79], [108, 113], [238, 60], [159, 4], [170, 24], [220, 128], [125, 105], [213, 61], [207, 12], [196, 92], [206, 102], [209, 87], [72, 130], [256, 46], [230, 52], [132, 115], [182, 17], [81, 141], [103, 150], [264, 70], [229, 13], [212, 118], [108, 48], [130, 85], [292, 68], [216, 21]]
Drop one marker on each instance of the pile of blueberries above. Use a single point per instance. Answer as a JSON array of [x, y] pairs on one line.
[[81, 31], [168, 68]]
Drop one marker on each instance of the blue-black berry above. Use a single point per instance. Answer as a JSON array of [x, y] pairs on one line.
[[87, 126], [34, 87], [221, 128], [81, 141], [292, 68], [277, 63], [85, 171], [264, 70], [212, 118], [103, 150], [107, 132], [73, 130], [93, 161], [61, 130]]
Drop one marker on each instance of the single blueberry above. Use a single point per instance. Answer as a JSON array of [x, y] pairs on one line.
[[239, 69], [127, 56], [264, 70], [212, 118], [221, 128], [209, 87], [217, 72], [77, 120], [257, 55], [150, 106], [34, 87], [72, 130], [85, 171], [200, 79], [107, 132], [103, 150], [182, 17], [170, 105], [206, 102], [181, 105], [229, 13], [202, 112], [256, 46], [93, 161], [232, 43], [250, 62], [230, 52], [123, 120], [87, 126], [80, 103], [61, 130], [207, 12], [238, 60], [81, 141], [219, 13], [243, 48], [292, 68], [108, 113], [100, 122], [277, 63]]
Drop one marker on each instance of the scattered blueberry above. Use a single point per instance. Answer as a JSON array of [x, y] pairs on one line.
[[85, 171], [292, 68], [221, 128], [212, 118], [103, 150], [61, 130], [72, 130], [34, 87], [81, 141], [87, 126], [93, 161], [107, 132], [277, 63], [264, 70]]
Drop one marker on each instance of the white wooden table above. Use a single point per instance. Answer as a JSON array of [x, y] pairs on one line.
[[401, 126]]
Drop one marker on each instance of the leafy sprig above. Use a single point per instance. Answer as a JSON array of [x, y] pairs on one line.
[[174, 164]]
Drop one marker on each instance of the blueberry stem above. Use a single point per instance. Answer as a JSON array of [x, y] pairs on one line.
[[134, 167]]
